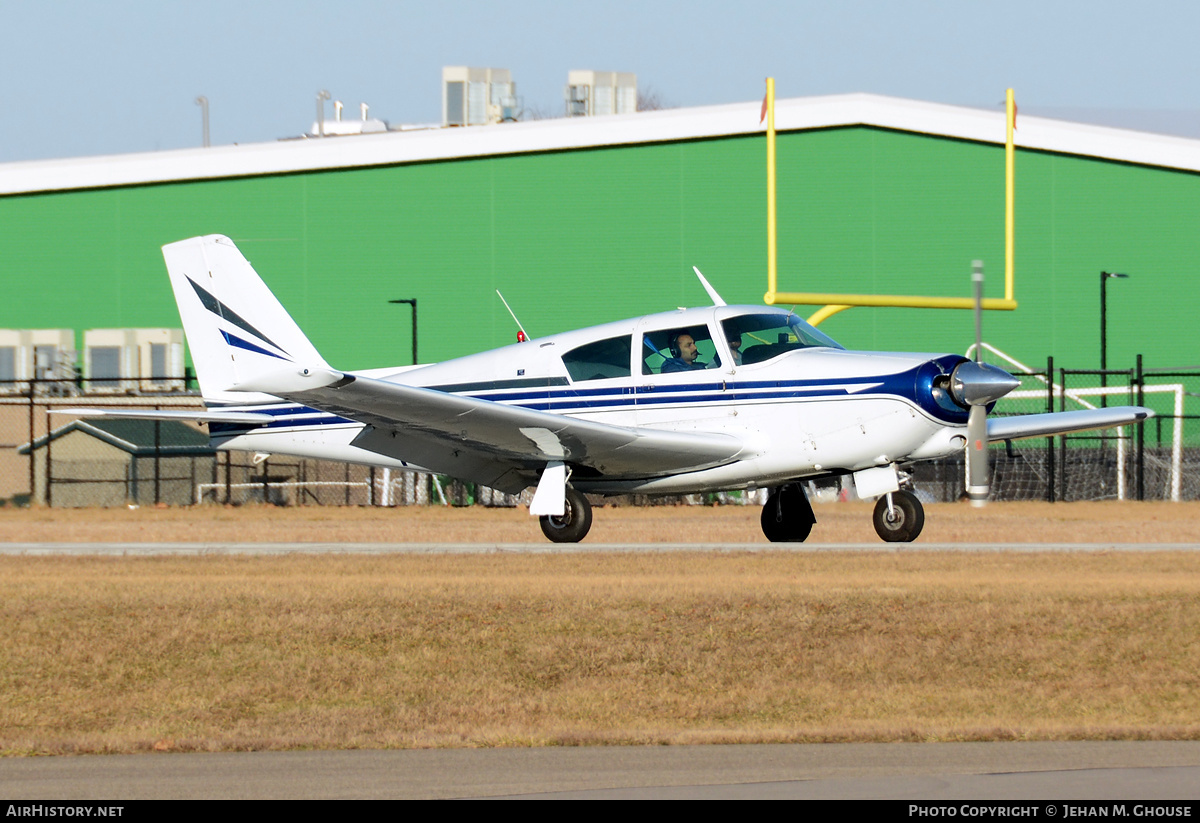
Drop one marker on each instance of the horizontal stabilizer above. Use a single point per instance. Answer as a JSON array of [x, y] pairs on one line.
[[1051, 423], [195, 415]]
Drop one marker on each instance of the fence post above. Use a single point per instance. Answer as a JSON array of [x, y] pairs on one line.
[[32, 455], [1062, 438], [49, 464], [1141, 444], [1050, 440], [157, 458]]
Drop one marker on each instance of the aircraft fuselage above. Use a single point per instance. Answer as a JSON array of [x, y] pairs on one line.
[[806, 408]]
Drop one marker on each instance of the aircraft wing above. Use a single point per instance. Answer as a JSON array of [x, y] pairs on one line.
[[492, 443], [1051, 423]]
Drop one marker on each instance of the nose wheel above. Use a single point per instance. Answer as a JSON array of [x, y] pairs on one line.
[[902, 521], [575, 522], [787, 517]]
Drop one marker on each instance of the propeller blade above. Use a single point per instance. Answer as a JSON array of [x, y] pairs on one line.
[[975, 385], [977, 456]]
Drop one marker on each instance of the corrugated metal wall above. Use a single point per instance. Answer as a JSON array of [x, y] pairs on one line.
[[581, 237]]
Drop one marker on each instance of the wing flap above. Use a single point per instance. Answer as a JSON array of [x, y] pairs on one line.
[[1052, 423]]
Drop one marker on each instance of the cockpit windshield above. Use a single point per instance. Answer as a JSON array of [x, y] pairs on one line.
[[755, 338]]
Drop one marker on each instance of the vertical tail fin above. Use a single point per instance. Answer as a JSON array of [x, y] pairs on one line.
[[236, 329]]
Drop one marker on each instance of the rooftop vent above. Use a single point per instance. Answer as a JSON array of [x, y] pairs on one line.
[[338, 127]]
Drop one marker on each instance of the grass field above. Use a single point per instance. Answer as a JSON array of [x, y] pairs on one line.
[[123, 654], [1106, 522]]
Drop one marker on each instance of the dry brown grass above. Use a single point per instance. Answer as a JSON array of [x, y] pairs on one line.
[[220, 653], [1107, 522]]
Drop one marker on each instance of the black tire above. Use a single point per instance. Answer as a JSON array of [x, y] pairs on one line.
[[575, 523], [909, 518], [787, 516]]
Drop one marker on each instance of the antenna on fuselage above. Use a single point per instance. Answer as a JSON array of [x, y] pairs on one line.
[[716, 298], [523, 335]]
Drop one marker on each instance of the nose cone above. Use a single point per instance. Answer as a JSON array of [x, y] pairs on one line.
[[977, 384]]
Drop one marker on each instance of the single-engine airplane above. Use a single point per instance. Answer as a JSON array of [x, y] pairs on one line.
[[694, 400]]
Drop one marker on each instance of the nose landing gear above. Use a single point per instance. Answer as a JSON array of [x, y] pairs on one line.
[[899, 517]]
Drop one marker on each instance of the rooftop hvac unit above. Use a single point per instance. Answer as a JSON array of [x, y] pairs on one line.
[[477, 97], [591, 93], [39, 354], [123, 361]]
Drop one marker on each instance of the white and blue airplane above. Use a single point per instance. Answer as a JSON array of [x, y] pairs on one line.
[[693, 400]]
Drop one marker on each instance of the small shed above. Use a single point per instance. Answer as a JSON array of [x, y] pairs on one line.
[[118, 462]]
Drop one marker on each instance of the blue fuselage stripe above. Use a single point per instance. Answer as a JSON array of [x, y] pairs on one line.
[[914, 386], [613, 399]]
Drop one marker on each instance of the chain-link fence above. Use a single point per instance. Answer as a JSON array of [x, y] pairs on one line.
[[1159, 460], [59, 461]]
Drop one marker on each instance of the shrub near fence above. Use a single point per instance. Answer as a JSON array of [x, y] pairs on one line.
[[81, 463]]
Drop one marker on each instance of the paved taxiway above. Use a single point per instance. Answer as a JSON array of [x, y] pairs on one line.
[[134, 549], [927, 771]]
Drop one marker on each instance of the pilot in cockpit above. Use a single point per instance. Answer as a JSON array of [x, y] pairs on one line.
[[684, 355]]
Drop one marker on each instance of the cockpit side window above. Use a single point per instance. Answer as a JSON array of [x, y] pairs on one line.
[[755, 338], [600, 360], [680, 349]]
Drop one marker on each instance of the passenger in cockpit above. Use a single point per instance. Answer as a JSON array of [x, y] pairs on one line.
[[735, 346]]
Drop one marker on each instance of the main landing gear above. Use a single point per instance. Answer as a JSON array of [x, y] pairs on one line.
[[787, 517], [575, 522], [899, 517]]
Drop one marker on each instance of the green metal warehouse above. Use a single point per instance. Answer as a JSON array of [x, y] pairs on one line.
[[581, 221]]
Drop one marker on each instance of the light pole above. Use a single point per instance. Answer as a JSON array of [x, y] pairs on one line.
[[202, 102], [1104, 278], [412, 301]]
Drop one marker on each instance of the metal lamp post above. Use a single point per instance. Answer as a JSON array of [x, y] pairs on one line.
[[1105, 276], [412, 301], [202, 102]]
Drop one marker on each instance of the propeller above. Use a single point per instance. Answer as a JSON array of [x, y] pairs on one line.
[[974, 385]]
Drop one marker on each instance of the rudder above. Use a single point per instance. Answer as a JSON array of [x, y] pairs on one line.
[[236, 329]]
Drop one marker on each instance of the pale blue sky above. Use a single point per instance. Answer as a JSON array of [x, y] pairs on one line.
[[83, 77]]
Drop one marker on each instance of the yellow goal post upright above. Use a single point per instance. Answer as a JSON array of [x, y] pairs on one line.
[[834, 303]]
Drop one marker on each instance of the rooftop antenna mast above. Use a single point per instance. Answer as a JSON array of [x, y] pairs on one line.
[[522, 336]]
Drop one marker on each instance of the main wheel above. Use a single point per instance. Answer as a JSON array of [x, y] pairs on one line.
[[907, 521], [575, 522], [787, 516]]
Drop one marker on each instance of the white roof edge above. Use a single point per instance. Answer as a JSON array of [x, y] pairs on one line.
[[795, 114]]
